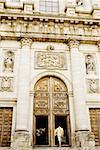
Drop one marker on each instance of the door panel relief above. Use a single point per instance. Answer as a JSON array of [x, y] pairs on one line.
[[95, 123], [51, 99], [5, 126]]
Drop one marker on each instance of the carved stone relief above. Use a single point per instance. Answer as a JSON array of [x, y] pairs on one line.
[[6, 84], [90, 64], [48, 60], [9, 61], [93, 85]]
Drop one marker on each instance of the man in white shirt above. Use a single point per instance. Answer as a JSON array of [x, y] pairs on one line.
[[59, 132]]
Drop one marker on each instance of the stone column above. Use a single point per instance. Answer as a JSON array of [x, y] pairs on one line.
[[82, 132], [21, 137]]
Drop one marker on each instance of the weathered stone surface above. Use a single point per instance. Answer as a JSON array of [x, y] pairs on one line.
[[21, 141], [84, 140]]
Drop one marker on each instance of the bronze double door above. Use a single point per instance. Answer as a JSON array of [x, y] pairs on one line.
[[95, 123], [51, 109], [5, 126]]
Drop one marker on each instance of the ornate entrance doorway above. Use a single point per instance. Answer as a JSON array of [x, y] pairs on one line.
[[51, 109]]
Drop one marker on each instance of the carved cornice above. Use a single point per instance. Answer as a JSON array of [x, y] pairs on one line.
[[49, 31], [73, 43], [26, 42]]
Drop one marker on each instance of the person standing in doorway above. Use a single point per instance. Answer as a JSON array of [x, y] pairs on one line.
[[59, 132]]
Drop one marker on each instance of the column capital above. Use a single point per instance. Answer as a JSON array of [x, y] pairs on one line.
[[73, 43], [26, 42]]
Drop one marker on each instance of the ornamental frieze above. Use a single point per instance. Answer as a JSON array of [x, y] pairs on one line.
[[93, 86], [48, 60], [6, 84], [49, 28]]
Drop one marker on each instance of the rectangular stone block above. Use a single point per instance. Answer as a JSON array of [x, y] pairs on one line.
[[28, 8]]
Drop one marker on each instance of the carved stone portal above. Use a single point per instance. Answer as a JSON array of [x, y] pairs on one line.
[[50, 60]]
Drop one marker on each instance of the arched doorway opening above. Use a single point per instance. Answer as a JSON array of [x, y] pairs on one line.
[[51, 108]]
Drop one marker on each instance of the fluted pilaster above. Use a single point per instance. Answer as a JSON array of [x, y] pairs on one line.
[[23, 85], [78, 83]]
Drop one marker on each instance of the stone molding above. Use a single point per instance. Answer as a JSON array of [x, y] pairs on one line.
[[51, 30], [26, 42], [73, 44]]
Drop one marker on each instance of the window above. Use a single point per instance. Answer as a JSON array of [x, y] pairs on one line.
[[49, 6]]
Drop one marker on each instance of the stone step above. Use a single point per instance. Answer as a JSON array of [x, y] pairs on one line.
[[52, 148], [49, 148], [4, 148]]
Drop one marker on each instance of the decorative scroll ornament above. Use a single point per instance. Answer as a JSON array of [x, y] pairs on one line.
[[6, 84], [90, 64], [9, 61], [48, 60], [93, 85]]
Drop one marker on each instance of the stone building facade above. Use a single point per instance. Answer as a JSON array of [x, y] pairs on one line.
[[49, 73]]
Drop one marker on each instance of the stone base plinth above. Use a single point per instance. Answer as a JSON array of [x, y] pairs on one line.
[[84, 140], [21, 141]]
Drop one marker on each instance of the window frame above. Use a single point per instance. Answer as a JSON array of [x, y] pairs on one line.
[[49, 6]]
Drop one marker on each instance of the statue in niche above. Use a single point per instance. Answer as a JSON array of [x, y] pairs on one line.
[[9, 61], [90, 64]]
